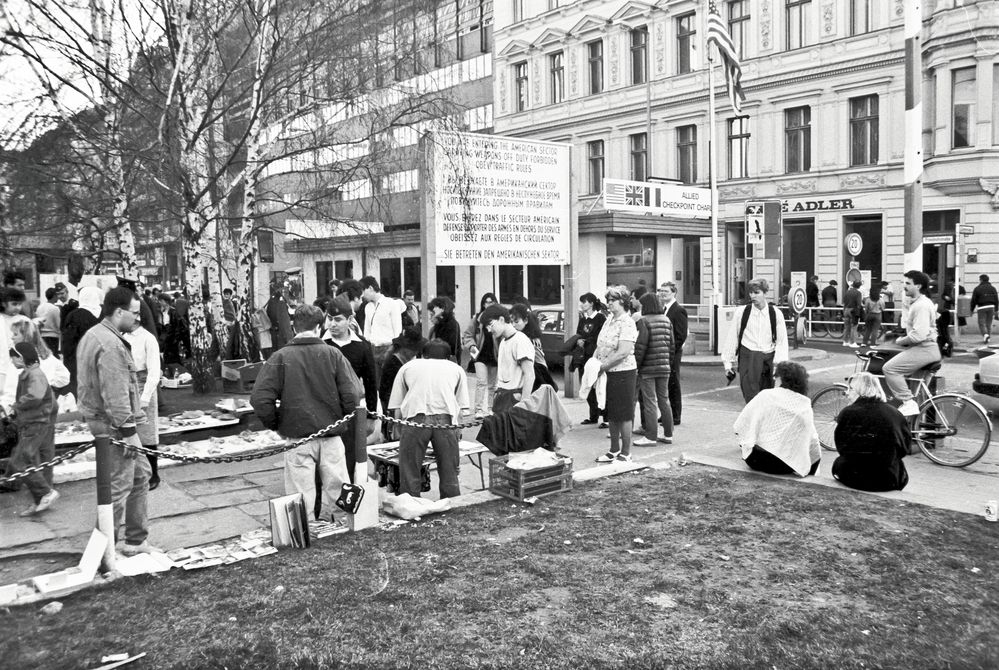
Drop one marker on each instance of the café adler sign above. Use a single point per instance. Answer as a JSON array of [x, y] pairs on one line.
[[789, 206]]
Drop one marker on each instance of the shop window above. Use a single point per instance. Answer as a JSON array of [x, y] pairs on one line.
[[544, 284], [631, 260], [511, 283], [445, 281], [343, 269], [390, 279], [324, 273], [265, 245], [411, 276]]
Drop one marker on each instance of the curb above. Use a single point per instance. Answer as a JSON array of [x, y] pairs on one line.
[[799, 355]]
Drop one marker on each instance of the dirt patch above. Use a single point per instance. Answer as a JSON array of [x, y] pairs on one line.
[[15, 568]]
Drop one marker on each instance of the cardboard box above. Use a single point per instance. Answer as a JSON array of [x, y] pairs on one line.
[[238, 375]]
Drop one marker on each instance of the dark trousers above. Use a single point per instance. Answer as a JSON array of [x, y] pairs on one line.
[[763, 461], [673, 387], [756, 372], [413, 447]]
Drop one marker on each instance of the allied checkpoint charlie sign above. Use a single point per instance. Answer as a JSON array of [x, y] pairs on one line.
[[498, 200]]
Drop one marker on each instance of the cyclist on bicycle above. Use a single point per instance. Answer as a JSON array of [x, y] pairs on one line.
[[919, 341]]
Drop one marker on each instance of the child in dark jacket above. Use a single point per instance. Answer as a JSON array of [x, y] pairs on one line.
[[34, 420]]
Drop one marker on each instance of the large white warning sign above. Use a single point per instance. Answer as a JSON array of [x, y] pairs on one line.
[[499, 200]]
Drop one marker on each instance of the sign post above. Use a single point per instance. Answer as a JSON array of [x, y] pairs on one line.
[[797, 298]]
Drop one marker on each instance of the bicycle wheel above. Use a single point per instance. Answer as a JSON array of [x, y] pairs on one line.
[[826, 406], [952, 430], [834, 326]]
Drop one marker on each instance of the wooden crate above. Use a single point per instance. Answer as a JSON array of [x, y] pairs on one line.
[[522, 484]]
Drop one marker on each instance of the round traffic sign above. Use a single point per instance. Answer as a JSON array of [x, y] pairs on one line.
[[852, 275], [797, 299], [854, 244]]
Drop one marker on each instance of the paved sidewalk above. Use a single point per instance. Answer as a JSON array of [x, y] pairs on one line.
[[202, 503]]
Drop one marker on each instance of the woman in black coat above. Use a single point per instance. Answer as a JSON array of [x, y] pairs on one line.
[[871, 437], [445, 326]]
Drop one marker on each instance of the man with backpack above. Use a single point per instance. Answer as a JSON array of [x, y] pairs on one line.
[[756, 342]]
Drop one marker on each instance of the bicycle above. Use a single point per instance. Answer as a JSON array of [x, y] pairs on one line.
[[951, 429], [825, 321]]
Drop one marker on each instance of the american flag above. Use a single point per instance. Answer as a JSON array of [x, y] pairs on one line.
[[718, 33]]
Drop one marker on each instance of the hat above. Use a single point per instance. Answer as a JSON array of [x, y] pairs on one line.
[[832, 282], [410, 339], [127, 283], [339, 307], [25, 351]]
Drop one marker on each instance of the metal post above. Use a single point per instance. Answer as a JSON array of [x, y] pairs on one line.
[[717, 297], [913, 195], [105, 507]]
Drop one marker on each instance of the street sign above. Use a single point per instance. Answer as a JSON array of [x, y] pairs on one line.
[[854, 244], [797, 299], [754, 223], [938, 239], [967, 230]]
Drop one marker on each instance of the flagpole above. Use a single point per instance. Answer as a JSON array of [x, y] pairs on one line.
[[717, 295]]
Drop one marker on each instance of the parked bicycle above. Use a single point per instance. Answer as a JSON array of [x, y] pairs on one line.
[[951, 429]]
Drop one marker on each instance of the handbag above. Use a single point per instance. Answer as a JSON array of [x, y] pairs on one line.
[[350, 498]]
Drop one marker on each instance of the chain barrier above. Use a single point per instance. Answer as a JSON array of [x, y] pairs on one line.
[[161, 453], [264, 453], [415, 424]]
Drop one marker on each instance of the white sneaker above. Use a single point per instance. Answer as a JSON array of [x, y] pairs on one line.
[[47, 501], [909, 408], [144, 548], [644, 442]]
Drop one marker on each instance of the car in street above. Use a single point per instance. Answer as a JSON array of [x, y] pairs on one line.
[[552, 321]]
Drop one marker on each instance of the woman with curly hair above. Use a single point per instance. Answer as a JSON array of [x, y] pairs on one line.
[[444, 326], [776, 429]]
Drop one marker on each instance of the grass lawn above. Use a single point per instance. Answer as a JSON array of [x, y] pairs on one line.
[[685, 568]]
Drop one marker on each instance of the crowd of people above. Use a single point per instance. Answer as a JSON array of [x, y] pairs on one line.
[[358, 347]]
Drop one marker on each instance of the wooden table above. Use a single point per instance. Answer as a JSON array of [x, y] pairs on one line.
[[388, 452]]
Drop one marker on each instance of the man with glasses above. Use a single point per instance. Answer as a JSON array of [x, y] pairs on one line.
[[109, 399]]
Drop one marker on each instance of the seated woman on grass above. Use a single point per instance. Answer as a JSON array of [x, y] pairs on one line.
[[871, 437], [776, 429]]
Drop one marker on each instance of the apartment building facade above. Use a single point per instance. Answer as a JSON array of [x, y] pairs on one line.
[[822, 131]]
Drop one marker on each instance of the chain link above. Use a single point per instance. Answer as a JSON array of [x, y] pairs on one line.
[[415, 424], [72, 453], [263, 453]]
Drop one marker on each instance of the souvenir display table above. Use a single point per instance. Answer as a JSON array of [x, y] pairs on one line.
[[388, 454]]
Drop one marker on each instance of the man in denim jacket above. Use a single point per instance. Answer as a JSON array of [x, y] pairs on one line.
[[109, 400]]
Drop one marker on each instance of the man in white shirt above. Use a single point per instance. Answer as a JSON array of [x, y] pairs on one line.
[[514, 359], [146, 355], [382, 320], [756, 342], [431, 390], [919, 342]]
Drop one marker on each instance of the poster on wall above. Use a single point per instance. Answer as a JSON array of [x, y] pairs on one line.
[[499, 200]]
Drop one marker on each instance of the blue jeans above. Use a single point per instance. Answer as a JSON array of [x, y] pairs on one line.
[[129, 487], [413, 447], [985, 317], [28, 452]]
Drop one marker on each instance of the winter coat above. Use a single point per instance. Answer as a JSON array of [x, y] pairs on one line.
[[313, 381], [871, 437], [654, 345], [447, 329], [984, 295]]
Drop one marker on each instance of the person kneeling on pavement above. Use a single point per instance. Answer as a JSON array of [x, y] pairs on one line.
[[431, 390], [32, 415], [776, 429], [871, 437]]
